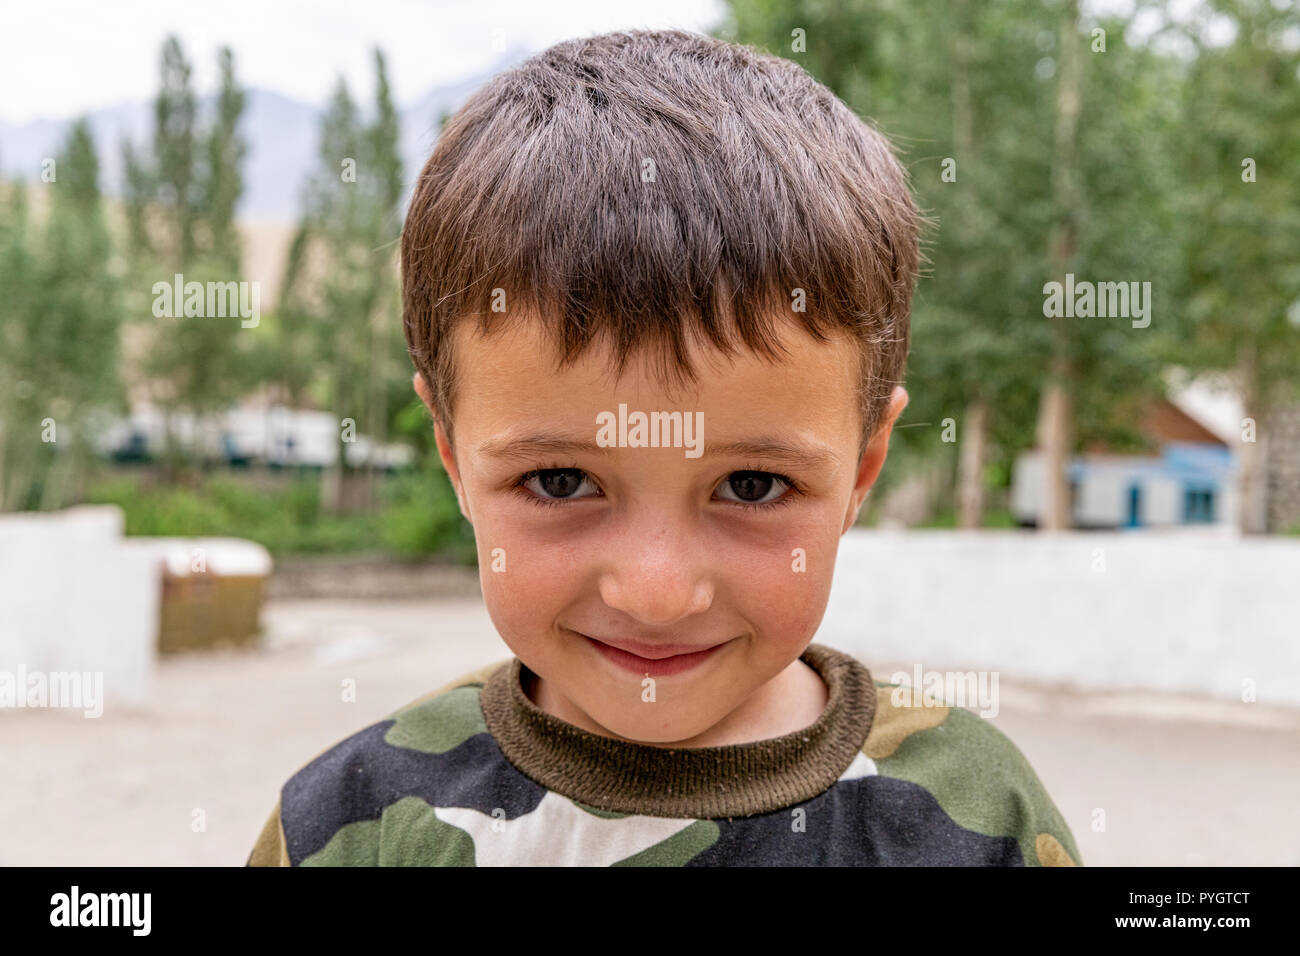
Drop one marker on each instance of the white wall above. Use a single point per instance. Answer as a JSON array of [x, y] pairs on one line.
[[1162, 502], [1027, 486], [1102, 499], [1184, 610], [1103, 494], [73, 599]]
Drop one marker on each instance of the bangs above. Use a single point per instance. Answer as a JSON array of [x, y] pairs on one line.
[[648, 189]]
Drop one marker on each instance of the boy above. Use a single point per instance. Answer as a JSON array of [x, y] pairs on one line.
[[657, 288]]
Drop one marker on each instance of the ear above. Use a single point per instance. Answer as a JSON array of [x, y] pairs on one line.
[[873, 457], [445, 451], [422, 389]]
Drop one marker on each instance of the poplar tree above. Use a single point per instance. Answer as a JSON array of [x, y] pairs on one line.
[[341, 279], [1239, 169], [180, 206], [18, 424], [60, 330]]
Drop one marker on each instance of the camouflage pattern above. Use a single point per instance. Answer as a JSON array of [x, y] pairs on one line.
[[932, 786]]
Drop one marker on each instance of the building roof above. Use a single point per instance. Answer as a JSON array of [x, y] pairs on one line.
[[1160, 422], [1163, 421]]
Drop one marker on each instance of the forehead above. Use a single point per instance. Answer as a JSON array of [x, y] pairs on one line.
[[511, 379]]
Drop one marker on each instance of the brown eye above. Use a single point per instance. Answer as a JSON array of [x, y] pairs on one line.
[[556, 483], [753, 487]]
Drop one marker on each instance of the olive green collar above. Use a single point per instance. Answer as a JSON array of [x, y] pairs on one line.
[[733, 780]]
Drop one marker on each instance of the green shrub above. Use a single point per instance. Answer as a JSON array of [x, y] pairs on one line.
[[417, 517], [421, 516]]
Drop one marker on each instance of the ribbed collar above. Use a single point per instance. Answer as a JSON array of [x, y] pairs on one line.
[[734, 780]]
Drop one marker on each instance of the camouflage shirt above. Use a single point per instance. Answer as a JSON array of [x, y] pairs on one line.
[[476, 774]]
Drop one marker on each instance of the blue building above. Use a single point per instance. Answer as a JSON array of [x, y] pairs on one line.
[[1192, 481]]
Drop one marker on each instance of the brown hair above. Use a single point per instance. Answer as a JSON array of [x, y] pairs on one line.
[[647, 187]]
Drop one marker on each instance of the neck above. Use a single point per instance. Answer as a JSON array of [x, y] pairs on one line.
[[728, 779]]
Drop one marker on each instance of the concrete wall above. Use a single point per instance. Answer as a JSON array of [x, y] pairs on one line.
[[72, 599], [1161, 502], [1184, 610], [1101, 500]]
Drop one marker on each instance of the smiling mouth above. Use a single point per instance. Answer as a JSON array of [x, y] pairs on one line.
[[650, 660]]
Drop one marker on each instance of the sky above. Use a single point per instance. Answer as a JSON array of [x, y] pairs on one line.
[[57, 61]]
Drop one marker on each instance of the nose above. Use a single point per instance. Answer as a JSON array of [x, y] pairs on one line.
[[657, 573]]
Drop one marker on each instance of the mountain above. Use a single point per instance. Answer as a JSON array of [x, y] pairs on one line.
[[282, 136]]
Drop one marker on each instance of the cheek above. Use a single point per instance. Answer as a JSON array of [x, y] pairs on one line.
[[524, 580], [783, 587]]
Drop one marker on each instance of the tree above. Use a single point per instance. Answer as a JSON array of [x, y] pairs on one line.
[[17, 312], [1239, 279], [181, 206], [1006, 124], [1054, 432], [953, 87], [346, 254], [174, 134], [223, 182], [61, 331]]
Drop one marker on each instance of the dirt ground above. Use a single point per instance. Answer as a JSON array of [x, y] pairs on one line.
[[1180, 781]]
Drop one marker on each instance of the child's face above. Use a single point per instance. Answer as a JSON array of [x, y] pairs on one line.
[[644, 562]]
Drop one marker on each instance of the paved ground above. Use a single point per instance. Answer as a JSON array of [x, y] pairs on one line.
[[1179, 781]]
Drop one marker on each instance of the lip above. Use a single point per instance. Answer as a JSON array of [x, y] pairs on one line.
[[655, 660]]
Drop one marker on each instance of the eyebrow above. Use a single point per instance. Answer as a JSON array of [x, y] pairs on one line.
[[794, 452]]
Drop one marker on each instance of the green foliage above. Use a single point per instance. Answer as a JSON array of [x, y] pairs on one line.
[[419, 516], [1155, 169], [999, 518], [1241, 248], [59, 329], [181, 201], [1165, 123], [223, 183], [410, 421], [334, 338]]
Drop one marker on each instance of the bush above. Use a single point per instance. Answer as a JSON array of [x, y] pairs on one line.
[[421, 516], [418, 515], [992, 518]]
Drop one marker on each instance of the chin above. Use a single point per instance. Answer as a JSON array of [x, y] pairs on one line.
[[647, 729]]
